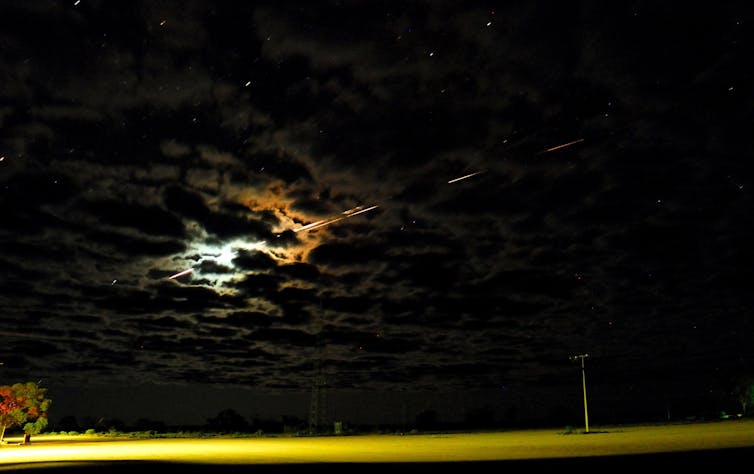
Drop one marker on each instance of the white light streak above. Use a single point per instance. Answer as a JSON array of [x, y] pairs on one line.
[[363, 210], [327, 222], [345, 215], [463, 177], [180, 274], [308, 226]]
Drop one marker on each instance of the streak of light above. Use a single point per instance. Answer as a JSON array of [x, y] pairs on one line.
[[362, 210], [464, 177], [179, 274], [308, 226], [345, 215], [327, 222], [564, 145], [352, 210]]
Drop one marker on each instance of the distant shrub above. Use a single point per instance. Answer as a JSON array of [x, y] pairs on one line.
[[90, 431]]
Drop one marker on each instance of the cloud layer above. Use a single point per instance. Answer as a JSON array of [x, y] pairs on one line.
[[139, 140]]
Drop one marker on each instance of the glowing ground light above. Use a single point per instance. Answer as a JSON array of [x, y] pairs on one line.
[[360, 449]]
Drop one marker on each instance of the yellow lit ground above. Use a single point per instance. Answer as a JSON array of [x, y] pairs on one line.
[[451, 447]]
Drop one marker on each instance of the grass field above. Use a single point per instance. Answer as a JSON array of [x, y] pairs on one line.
[[439, 448]]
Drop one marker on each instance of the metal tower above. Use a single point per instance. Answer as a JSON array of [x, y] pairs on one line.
[[318, 402]]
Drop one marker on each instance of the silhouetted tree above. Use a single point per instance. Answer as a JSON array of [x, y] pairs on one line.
[[511, 415], [67, 423], [560, 414], [292, 423], [146, 424], [481, 417], [427, 420], [266, 425], [110, 424], [227, 421], [743, 389]]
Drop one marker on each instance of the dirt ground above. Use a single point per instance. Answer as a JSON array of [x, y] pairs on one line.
[[689, 445]]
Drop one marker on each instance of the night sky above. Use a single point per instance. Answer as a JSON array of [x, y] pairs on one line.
[[414, 205]]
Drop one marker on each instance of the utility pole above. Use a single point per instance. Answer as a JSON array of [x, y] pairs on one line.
[[315, 414], [583, 386]]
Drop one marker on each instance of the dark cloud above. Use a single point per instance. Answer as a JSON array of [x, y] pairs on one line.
[[150, 220]]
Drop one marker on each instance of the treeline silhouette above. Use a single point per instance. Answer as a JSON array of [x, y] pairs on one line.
[[226, 421], [230, 421]]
